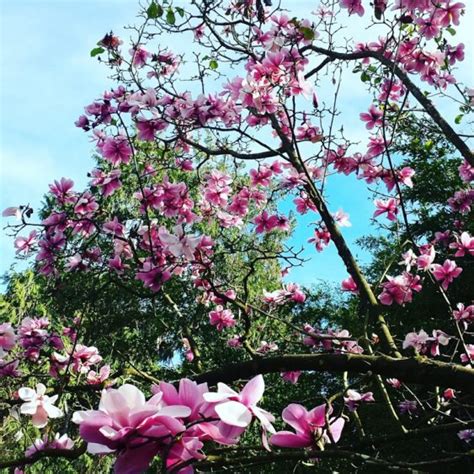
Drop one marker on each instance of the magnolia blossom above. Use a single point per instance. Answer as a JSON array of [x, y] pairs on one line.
[[389, 207], [58, 442], [132, 427], [469, 357], [349, 285], [7, 338], [446, 273], [312, 428], [353, 399], [39, 405], [423, 343], [222, 318], [464, 314], [464, 245], [238, 409], [291, 377]]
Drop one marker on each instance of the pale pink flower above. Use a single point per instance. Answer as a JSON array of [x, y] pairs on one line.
[[389, 206], [353, 399], [464, 245], [59, 442], [7, 338], [238, 409], [96, 378], [39, 405]]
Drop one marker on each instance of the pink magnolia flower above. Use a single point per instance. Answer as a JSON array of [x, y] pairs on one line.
[[238, 409], [373, 118], [83, 357], [222, 318], [132, 427], [423, 343], [353, 399], [12, 212], [425, 260], [311, 427], [446, 273], [353, 6], [291, 377], [179, 244], [389, 206], [24, 244], [342, 218], [449, 394], [39, 405], [463, 314], [96, 378], [395, 383], [349, 285], [399, 289], [470, 352], [59, 442], [116, 150], [464, 245], [7, 338], [266, 347]]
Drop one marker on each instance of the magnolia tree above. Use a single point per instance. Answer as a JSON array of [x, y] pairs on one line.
[[223, 129]]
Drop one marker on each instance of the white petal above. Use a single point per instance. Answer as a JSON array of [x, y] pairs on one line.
[[234, 414]]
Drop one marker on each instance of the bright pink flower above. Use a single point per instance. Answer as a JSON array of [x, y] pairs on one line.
[[39, 405], [400, 289], [395, 383], [425, 260], [312, 429], [62, 190], [354, 6], [373, 118], [446, 273], [116, 150], [130, 426], [349, 285], [139, 56], [463, 314], [222, 318], [321, 239], [153, 277], [291, 377], [389, 206]]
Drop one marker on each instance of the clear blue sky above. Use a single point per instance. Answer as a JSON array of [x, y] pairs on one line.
[[46, 78]]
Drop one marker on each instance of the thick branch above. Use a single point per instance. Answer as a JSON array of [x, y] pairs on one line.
[[418, 370], [424, 101]]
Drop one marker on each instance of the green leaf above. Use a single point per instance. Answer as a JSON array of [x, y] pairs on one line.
[[458, 119], [180, 11], [154, 10], [170, 17], [364, 77], [97, 51], [308, 33], [213, 64], [451, 30]]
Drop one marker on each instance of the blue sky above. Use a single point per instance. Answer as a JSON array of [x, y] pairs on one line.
[[47, 76]]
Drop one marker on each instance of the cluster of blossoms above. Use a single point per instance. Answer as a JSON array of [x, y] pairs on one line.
[[35, 343], [422, 343], [175, 423]]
